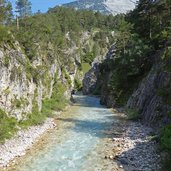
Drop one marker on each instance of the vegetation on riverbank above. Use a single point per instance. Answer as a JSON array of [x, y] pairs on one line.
[[9, 125], [165, 142]]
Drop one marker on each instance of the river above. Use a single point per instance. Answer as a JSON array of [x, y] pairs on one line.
[[78, 143]]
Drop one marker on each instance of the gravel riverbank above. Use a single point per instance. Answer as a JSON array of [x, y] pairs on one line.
[[134, 147], [22, 141]]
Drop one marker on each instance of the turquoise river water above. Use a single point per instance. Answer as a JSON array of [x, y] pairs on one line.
[[78, 143]]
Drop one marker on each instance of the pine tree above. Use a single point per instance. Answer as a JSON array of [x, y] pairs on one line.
[[2, 9], [5, 12], [150, 19], [23, 7]]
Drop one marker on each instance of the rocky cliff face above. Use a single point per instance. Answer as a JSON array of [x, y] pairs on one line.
[[92, 78], [151, 99], [153, 96], [28, 79], [17, 91], [107, 95], [96, 81], [24, 83]]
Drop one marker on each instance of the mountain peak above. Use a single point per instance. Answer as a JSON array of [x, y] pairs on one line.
[[104, 6]]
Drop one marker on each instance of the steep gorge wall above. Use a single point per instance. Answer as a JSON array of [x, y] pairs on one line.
[[93, 78], [27, 79], [97, 79], [151, 98], [14, 84], [24, 84]]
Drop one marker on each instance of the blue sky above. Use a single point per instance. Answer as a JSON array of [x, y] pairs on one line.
[[43, 5]]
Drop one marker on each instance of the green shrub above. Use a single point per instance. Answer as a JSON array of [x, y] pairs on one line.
[[58, 96], [4, 34], [77, 84], [133, 114], [66, 76], [166, 137], [88, 57], [17, 103], [6, 61], [47, 107], [51, 105], [56, 103], [85, 67], [7, 126], [6, 91], [68, 80], [165, 144], [32, 72], [165, 93], [34, 118]]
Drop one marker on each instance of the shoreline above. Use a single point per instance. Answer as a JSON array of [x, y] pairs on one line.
[[22, 142], [133, 147]]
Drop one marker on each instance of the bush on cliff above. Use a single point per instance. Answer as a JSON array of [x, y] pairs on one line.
[[165, 142], [4, 35], [7, 126], [57, 102], [133, 114]]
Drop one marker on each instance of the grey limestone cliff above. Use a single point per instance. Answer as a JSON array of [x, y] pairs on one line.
[[151, 98]]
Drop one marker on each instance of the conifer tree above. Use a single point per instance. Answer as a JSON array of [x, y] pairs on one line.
[[23, 7], [5, 12]]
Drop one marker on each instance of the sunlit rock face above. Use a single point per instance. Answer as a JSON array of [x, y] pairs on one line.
[[104, 6], [25, 83]]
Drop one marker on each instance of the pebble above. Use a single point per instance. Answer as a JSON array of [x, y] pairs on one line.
[[111, 157], [121, 166]]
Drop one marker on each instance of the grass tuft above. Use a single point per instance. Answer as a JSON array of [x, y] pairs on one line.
[[133, 114]]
